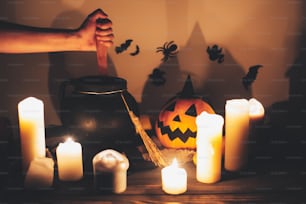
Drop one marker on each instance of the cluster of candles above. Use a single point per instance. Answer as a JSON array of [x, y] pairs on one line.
[[239, 114], [39, 169]]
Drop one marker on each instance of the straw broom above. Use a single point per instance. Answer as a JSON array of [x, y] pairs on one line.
[[155, 154]]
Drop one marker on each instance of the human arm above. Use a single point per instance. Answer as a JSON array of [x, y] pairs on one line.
[[16, 38]]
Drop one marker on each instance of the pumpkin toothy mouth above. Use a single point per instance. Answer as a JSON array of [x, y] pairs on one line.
[[177, 133]]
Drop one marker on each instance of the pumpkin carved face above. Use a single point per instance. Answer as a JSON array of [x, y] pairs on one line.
[[176, 125]]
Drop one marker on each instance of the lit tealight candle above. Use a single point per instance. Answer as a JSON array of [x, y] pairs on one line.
[[69, 160], [209, 147], [110, 171], [174, 179], [236, 134], [32, 130]]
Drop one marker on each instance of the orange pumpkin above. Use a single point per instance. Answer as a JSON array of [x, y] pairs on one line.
[[176, 126]]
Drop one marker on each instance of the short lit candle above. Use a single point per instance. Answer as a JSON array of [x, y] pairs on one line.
[[174, 179], [32, 130], [209, 147], [69, 160], [236, 134]]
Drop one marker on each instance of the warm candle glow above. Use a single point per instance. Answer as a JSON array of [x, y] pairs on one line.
[[32, 130], [209, 147], [174, 179], [236, 134], [69, 160]]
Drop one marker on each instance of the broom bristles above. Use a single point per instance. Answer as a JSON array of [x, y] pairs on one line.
[[155, 154]]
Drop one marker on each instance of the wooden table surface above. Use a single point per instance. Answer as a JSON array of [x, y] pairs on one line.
[[263, 181], [274, 174]]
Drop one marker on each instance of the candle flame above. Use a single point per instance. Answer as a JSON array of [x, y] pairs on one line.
[[69, 139], [174, 163]]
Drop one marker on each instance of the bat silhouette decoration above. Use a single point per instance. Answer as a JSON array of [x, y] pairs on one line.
[[250, 77], [136, 52], [123, 47], [157, 77]]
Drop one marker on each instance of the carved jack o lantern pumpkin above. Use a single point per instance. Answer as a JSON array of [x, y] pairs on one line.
[[176, 126]]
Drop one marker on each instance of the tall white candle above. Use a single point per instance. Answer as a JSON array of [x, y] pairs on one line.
[[174, 179], [110, 171], [236, 134], [69, 160], [209, 147], [32, 130]]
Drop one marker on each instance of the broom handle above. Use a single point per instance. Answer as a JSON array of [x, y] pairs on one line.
[[102, 58], [101, 54]]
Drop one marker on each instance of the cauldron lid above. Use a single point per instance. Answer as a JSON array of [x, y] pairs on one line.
[[99, 84]]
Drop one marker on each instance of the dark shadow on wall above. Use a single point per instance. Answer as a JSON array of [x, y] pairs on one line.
[[154, 97], [287, 119], [70, 65], [285, 122], [223, 81], [7, 10]]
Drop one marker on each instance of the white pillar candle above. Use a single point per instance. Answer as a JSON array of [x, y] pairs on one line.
[[40, 173], [256, 110], [257, 113], [110, 171], [174, 179], [236, 134], [32, 130], [69, 160], [209, 147]]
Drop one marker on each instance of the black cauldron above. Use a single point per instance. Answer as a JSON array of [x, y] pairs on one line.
[[92, 109]]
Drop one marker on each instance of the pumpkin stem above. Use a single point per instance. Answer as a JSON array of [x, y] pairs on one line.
[[187, 91]]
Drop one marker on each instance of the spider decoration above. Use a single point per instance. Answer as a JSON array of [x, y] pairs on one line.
[[215, 53], [169, 49], [157, 77]]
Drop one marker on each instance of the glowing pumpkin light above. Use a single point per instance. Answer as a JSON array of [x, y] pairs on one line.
[[176, 126]]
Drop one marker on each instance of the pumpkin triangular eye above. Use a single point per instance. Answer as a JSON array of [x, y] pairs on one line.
[[177, 119], [171, 107], [191, 111]]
